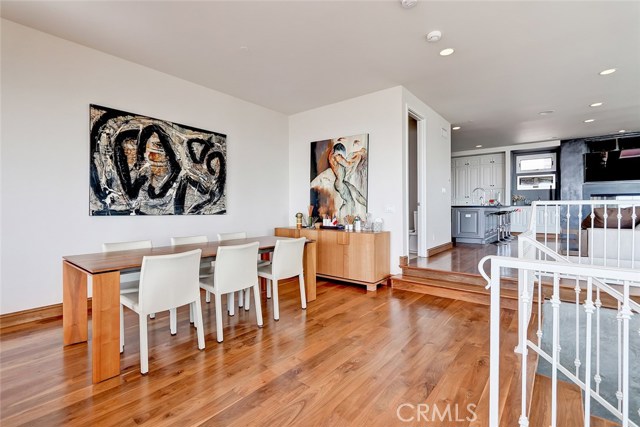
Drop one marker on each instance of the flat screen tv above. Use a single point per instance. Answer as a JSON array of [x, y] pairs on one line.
[[618, 165]]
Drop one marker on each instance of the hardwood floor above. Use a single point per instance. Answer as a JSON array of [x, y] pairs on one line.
[[464, 258], [352, 358]]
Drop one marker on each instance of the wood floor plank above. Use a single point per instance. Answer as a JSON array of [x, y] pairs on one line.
[[352, 358]]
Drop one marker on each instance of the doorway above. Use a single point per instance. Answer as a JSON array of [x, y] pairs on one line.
[[412, 177]]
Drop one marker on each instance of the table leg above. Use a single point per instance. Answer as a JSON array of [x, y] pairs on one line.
[[310, 270], [266, 256], [105, 313], [74, 304]]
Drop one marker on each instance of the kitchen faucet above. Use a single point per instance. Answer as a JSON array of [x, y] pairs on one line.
[[484, 194]]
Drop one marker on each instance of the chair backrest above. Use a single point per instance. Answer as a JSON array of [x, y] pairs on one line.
[[236, 267], [168, 281], [287, 257], [232, 236], [190, 240], [126, 246]]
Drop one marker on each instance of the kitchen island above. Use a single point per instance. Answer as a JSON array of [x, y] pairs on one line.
[[475, 224]]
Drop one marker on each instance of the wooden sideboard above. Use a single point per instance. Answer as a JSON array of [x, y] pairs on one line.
[[357, 257]]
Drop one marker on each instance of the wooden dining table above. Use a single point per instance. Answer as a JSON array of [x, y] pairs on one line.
[[103, 270]]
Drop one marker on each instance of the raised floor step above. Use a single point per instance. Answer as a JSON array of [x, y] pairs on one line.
[[455, 290], [453, 276]]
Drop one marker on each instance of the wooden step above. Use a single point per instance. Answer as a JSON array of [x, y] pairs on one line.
[[460, 291], [454, 276], [601, 422], [570, 412], [567, 292], [570, 405]]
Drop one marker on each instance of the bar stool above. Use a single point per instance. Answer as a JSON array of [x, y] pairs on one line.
[[501, 229], [509, 236]]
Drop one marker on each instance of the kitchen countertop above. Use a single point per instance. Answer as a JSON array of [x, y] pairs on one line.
[[480, 206]]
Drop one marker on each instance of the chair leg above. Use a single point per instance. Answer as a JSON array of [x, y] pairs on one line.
[[207, 297], [152, 315], [218, 302], [231, 305], [121, 328], [191, 314], [276, 303], [144, 345], [247, 299], [197, 308], [303, 295], [256, 298], [240, 298], [173, 321], [268, 285]]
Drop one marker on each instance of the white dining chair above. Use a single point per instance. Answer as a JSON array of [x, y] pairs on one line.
[[286, 263], [236, 270], [243, 296], [130, 278], [206, 267], [166, 282]]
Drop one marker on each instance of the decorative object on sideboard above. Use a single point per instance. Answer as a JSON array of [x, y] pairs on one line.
[[140, 165], [312, 221], [299, 220], [349, 222], [377, 225], [357, 224], [339, 176], [368, 223], [517, 199]]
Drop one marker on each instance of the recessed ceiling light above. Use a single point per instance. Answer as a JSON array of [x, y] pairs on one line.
[[456, 128], [478, 146], [607, 72], [244, 48], [596, 104], [446, 52], [589, 120], [621, 131], [546, 112]]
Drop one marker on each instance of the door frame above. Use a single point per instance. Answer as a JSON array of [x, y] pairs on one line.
[[422, 185]]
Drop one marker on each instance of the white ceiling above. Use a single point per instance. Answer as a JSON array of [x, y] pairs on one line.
[[513, 59]]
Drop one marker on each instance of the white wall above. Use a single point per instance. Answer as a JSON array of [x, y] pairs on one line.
[[382, 115], [434, 180], [47, 86]]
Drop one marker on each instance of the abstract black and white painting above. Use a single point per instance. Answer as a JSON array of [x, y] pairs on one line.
[[339, 176], [146, 166]]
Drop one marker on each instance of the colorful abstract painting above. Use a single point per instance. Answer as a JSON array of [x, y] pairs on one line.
[[146, 166], [339, 176]]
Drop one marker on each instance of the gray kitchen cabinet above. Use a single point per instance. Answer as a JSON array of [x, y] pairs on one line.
[[474, 224]]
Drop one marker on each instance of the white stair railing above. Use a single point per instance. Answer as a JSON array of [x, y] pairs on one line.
[[593, 262], [556, 270]]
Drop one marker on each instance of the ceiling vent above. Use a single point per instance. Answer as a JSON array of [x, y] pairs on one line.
[[408, 4], [434, 36]]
